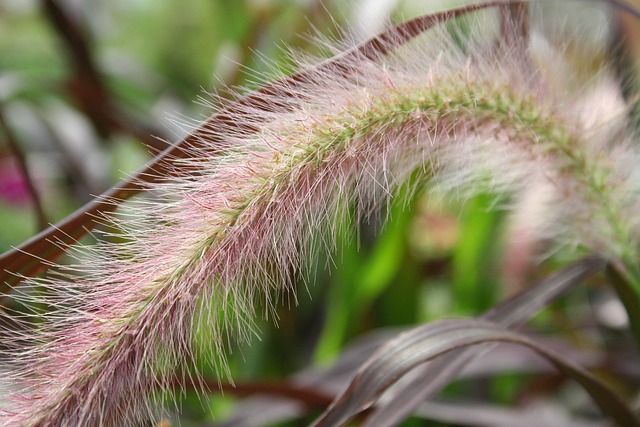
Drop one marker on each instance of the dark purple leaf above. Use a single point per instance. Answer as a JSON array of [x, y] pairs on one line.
[[424, 343], [433, 376]]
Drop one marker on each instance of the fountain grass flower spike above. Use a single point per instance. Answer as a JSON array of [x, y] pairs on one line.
[[211, 244]]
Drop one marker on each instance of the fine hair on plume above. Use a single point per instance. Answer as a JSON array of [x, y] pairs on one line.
[[236, 221]]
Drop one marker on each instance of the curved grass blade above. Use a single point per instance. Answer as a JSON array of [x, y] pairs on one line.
[[427, 342], [51, 243], [515, 311]]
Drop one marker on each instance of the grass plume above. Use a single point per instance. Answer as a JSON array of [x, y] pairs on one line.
[[207, 247]]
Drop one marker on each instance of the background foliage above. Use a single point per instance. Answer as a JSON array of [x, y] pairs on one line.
[[79, 133]]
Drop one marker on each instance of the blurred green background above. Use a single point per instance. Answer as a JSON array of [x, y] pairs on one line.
[[437, 256]]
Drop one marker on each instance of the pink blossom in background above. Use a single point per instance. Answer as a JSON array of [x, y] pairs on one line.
[[13, 187]]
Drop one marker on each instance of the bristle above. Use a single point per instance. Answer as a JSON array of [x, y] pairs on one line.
[[207, 247]]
